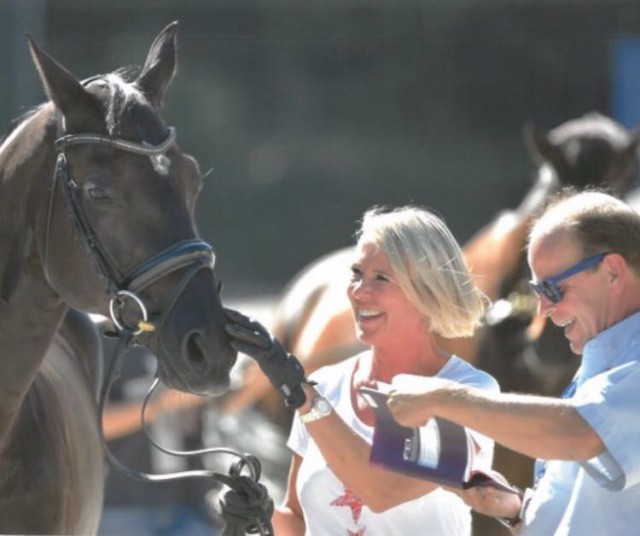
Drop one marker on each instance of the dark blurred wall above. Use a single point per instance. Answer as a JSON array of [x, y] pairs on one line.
[[304, 114]]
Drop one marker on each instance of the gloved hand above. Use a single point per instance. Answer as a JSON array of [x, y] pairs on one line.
[[246, 509], [283, 369]]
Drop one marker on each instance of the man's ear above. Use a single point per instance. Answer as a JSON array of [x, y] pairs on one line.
[[617, 268]]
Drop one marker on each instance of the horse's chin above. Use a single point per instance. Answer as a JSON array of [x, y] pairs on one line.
[[204, 387]]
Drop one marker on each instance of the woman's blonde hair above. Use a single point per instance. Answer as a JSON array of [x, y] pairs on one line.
[[429, 267]]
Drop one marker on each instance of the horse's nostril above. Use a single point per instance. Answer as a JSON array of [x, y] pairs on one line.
[[195, 354]]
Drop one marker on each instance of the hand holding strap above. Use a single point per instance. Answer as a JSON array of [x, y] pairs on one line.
[[282, 368], [247, 507]]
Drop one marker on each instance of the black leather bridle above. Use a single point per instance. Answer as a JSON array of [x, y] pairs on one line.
[[120, 286], [194, 254]]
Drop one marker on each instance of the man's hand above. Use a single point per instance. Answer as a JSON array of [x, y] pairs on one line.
[[412, 398], [283, 369], [491, 501]]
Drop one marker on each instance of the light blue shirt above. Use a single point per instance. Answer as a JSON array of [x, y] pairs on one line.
[[601, 495]]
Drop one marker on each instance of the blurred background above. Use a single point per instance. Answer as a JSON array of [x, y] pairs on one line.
[[304, 114]]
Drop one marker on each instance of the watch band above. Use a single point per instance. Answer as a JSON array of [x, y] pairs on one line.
[[320, 408]]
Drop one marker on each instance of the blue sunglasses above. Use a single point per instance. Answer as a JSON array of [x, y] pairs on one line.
[[549, 287]]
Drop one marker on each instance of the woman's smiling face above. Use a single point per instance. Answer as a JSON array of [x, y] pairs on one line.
[[382, 312]]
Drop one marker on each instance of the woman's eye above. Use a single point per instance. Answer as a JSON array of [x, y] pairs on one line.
[[356, 274]]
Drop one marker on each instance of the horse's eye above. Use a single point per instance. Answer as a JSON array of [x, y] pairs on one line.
[[97, 192]]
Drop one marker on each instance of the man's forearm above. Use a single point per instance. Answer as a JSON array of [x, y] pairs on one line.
[[540, 427]]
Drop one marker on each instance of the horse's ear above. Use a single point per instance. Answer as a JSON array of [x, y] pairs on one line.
[[625, 164], [540, 148], [160, 66], [634, 139], [81, 110], [534, 140]]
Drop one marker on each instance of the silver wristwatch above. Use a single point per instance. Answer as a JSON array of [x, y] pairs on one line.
[[320, 408]]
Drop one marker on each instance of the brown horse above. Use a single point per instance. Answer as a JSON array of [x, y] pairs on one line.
[[96, 214], [313, 317]]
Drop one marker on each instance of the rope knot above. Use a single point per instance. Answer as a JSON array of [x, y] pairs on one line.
[[246, 506]]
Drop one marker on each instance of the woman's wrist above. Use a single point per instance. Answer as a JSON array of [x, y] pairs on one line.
[[310, 393]]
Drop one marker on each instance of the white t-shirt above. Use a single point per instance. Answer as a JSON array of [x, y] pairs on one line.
[[331, 510]]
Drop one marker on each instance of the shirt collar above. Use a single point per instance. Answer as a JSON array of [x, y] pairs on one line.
[[612, 347]]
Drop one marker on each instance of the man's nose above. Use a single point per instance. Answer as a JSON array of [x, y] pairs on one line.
[[545, 306]]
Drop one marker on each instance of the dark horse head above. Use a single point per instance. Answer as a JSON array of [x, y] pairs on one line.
[[109, 215], [522, 350], [590, 151]]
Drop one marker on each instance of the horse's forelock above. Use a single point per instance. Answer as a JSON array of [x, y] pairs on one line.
[[120, 95]]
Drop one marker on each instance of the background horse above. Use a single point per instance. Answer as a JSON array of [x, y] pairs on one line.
[[525, 353], [96, 213], [313, 317]]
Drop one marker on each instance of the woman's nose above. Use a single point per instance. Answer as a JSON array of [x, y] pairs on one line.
[[358, 288]]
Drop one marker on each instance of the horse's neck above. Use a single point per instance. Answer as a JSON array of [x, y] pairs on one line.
[[546, 184], [505, 238], [28, 323]]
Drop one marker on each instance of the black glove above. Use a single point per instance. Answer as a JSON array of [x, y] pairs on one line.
[[283, 369]]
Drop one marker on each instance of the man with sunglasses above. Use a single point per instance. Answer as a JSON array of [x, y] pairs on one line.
[[584, 254]]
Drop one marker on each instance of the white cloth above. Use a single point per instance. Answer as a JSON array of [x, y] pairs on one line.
[[602, 495], [331, 510]]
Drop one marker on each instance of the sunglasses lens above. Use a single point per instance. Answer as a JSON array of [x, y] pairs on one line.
[[550, 291]]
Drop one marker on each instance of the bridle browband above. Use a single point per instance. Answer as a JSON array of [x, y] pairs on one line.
[[194, 254]]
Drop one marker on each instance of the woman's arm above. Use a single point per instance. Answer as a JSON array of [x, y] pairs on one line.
[[288, 518], [347, 454], [123, 418]]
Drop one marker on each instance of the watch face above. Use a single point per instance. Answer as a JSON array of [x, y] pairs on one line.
[[322, 406], [319, 408]]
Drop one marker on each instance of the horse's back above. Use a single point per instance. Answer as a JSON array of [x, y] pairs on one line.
[[52, 474], [313, 317]]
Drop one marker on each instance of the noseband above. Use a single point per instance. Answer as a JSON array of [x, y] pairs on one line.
[[194, 254]]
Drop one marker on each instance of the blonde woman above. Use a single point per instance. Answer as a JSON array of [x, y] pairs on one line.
[[408, 282]]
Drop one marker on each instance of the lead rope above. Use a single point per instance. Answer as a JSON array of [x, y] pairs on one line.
[[246, 508]]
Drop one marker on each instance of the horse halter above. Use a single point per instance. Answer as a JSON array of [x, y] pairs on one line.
[[121, 286]]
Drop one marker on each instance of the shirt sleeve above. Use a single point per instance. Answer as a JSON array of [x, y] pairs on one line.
[[610, 403], [298, 437]]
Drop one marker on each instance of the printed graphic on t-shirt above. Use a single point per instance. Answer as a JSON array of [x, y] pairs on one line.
[[355, 503]]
